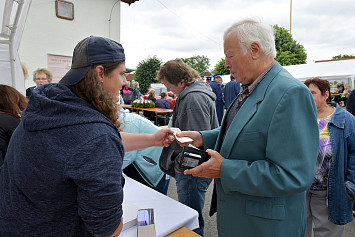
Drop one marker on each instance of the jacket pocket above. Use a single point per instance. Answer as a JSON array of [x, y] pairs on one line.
[[265, 210]]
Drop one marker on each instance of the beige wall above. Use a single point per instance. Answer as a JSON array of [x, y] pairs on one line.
[[45, 33]]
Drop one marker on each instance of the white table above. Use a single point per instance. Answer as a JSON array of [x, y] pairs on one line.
[[169, 214]]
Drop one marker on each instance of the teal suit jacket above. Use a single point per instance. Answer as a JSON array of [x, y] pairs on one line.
[[270, 152]]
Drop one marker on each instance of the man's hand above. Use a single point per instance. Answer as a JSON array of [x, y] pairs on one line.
[[163, 137], [209, 169], [195, 136]]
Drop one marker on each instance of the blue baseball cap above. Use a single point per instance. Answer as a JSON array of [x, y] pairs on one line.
[[90, 51], [217, 75]]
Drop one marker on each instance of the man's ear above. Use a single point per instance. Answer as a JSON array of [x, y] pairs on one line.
[[182, 83], [100, 72], [255, 50]]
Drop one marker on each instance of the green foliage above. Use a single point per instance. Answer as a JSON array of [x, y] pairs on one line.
[[146, 72], [219, 67], [198, 62], [289, 52], [343, 56], [142, 104]]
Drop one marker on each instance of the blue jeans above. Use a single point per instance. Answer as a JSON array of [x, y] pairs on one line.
[[163, 185], [191, 192]]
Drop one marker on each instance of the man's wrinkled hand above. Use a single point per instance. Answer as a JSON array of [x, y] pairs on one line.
[[196, 137], [210, 168]]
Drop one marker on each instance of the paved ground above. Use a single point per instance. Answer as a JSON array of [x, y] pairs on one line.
[[210, 222]]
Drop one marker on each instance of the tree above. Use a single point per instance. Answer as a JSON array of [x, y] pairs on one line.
[[198, 62], [289, 52], [219, 67], [343, 56], [146, 72]]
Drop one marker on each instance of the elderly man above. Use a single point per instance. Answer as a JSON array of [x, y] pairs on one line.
[[264, 153]]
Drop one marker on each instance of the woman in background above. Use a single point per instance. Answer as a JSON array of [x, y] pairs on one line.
[[331, 196], [136, 93], [41, 76], [148, 114], [126, 93], [12, 103]]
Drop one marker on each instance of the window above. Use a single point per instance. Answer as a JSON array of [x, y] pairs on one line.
[[64, 9]]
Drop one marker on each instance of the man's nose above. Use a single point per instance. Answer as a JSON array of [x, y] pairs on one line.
[[227, 64]]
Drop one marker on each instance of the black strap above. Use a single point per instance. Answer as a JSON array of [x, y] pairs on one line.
[[213, 207]]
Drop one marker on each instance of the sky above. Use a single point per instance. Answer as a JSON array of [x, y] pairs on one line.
[[169, 29]]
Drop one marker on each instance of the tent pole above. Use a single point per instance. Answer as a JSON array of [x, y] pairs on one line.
[[12, 35]]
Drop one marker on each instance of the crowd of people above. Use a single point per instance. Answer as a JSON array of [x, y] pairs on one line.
[[282, 157]]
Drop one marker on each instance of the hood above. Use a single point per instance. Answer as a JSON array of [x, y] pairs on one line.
[[198, 86], [55, 106]]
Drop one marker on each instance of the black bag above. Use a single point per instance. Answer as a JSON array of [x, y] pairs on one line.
[[127, 98], [167, 160]]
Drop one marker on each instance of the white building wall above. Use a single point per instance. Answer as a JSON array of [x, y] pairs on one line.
[[45, 33]]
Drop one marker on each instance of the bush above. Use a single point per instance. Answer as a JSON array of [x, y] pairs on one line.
[[143, 104], [146, 72]]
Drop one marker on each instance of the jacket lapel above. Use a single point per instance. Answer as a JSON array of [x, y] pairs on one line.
[[245, 113]]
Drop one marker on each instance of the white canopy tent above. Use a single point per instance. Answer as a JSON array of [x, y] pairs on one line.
[[13, 14], [341, 71]]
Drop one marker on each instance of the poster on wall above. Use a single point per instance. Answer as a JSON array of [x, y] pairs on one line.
[[58, 65]]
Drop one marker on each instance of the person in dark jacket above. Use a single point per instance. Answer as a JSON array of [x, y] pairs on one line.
[[164, 104], [231, 91], [136, 93], [72, 187], [217, 89], [12, 103], [350, 105], [148, 114]]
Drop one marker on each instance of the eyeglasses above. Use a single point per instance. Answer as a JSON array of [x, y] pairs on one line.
[[41, 79]]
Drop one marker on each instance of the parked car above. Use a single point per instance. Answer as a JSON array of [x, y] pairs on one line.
[[159, 89]]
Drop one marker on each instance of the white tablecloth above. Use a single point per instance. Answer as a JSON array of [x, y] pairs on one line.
[[169, 215]]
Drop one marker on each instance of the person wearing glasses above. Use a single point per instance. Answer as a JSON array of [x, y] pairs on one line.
[[41, 76]]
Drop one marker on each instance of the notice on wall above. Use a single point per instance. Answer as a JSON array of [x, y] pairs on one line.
[[58, 65]]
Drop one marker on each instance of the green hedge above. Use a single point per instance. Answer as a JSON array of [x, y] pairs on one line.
[[142, 104]]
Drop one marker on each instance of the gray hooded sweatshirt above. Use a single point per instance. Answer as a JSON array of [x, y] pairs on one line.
[[194, 110]]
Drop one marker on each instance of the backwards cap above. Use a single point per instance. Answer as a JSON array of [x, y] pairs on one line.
[[91, 51]]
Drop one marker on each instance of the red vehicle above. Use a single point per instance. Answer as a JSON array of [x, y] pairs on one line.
[[159, 89]]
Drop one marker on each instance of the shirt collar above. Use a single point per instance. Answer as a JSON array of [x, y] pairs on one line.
[[249, 88]]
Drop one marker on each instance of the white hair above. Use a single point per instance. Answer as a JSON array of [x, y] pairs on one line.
[[249, 31]]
